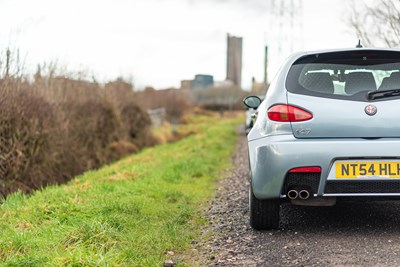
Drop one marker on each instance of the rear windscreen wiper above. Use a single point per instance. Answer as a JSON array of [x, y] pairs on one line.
[[372, 95]]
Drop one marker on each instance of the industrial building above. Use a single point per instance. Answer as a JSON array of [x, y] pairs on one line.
[[234, 60], [202, 81]]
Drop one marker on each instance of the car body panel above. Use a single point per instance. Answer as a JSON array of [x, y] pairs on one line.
[[275, 94], [334, 118], [285, 152]]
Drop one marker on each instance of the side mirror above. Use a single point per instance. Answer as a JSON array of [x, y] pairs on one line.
[[252, 101]]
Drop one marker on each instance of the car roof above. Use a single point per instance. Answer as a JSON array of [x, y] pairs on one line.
[[302, 53]]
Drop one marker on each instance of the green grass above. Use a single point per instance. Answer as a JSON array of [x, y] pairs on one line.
[[126, 214]]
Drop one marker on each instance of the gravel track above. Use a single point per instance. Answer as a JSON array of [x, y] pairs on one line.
[[348, 234]]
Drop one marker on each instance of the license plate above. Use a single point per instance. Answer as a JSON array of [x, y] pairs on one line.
[[358, 169]]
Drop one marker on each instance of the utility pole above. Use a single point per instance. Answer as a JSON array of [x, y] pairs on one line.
[[288, 16], [8, 54], [285, 29]]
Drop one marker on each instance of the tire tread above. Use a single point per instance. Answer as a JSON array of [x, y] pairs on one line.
[[264, 213]]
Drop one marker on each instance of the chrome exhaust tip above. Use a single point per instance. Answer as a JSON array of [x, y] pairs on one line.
[[304, 194], [293, 194]]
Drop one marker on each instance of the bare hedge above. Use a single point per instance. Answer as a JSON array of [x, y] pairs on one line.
[[55, 128]]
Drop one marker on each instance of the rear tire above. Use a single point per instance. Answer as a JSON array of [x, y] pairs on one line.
[[264, 213]]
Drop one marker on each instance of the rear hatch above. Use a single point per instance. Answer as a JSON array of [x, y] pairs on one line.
[[350, 94]]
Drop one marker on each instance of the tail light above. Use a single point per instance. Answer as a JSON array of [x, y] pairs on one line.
[[288, 113], [306, 169]]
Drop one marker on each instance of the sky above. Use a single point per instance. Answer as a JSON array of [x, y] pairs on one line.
[[161, 42]]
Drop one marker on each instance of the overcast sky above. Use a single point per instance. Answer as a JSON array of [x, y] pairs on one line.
[[160, 42]]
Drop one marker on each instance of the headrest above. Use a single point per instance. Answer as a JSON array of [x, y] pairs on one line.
[[319, 82], [392, 82], [359, 81]]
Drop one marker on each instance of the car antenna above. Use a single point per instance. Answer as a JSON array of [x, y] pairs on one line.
[[359, 45]]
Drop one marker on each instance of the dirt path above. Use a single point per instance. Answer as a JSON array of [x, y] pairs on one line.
[[348, 234]]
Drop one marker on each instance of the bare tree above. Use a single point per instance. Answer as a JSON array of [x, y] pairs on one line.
[[376, 23]]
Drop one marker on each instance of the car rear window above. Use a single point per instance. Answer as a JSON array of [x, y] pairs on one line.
[[347, 75]]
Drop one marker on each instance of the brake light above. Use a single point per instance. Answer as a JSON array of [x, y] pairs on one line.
[[306, 169], [288, 113]]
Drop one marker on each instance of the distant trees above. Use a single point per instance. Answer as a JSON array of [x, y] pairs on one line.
[[377, 23], [176, 102]]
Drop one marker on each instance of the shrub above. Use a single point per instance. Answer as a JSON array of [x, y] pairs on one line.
[[90, 128], [27, 125], [58, 127]]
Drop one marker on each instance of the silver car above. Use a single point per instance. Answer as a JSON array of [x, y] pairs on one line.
[[328, 129]]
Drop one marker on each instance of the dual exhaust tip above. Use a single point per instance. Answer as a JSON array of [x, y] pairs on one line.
[[295, 194]]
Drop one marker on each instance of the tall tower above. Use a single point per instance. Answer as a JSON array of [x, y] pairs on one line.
[[266, 65], [234, 60]]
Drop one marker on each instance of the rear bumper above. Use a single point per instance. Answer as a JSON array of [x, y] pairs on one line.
[[273, 156]]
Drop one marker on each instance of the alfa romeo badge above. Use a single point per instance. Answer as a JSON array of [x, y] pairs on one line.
[[370, 110]]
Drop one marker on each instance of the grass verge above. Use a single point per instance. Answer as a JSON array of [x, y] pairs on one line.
[[126, 214]]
